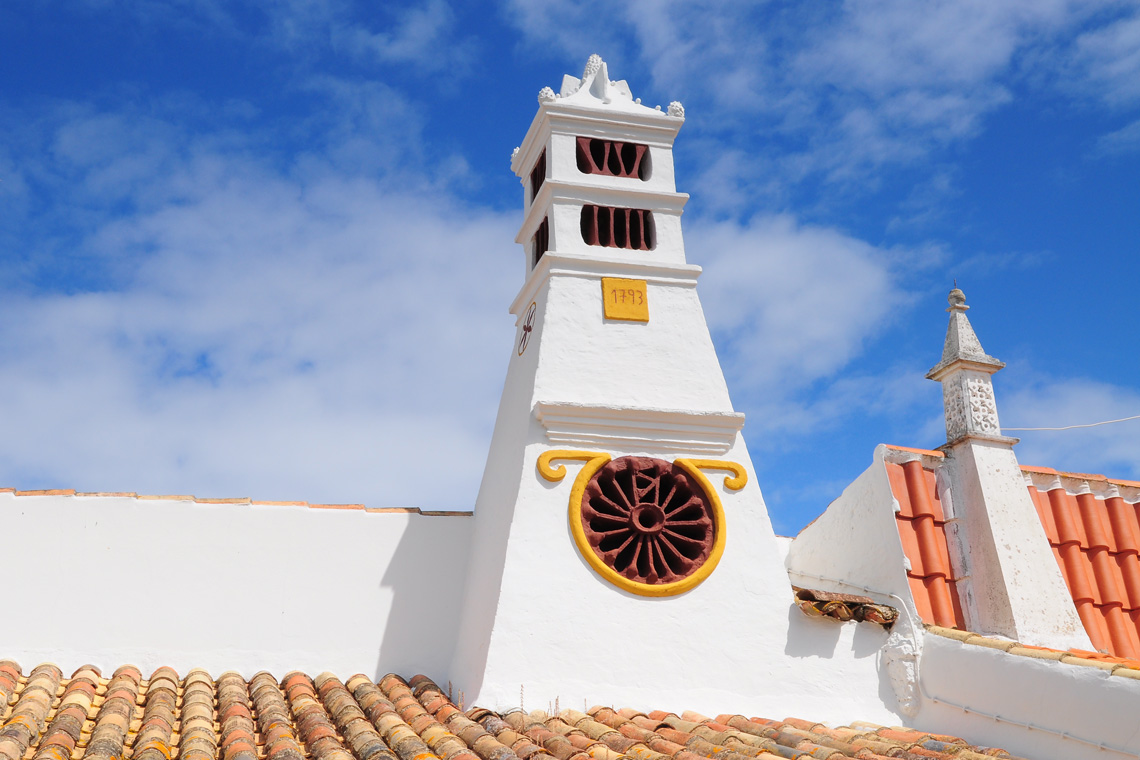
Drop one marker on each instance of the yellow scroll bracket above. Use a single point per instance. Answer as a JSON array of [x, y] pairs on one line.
[[596, 460]]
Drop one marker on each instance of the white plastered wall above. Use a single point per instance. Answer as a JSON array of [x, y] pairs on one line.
[[540, 625], [1015, 587], [110, 580], [854, 546], [1029, 707]]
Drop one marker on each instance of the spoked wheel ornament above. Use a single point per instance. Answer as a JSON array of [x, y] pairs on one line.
[[648, 526], [527, 328], [648, 520]]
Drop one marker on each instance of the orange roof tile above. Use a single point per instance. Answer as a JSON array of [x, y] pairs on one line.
[[1095, 539], [922, 528], [844, 607], [323, 718], [1118, 666], [1097, 542]]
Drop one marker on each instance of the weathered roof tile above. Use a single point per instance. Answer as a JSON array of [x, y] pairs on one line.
[[1094, 534]]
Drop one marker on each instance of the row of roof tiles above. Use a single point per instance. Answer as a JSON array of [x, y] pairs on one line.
[[1117, 666], [240, 500], [844, 607], [1097, 546], [922, 528], [1095, 538], [44, 716]]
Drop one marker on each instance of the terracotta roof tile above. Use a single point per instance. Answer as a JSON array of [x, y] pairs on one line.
[[922, 529], [1094, 534], [324, 718], [1120, 666]]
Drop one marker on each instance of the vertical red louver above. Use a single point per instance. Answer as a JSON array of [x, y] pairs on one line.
[[541, 240], [611, 227], [612, 158], [537, 175]]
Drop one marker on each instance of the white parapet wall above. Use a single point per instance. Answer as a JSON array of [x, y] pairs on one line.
[[854, 546], [1031, 707], [228, 584]]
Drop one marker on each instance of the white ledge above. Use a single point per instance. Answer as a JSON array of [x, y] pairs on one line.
[[601, 265], [668, 431]]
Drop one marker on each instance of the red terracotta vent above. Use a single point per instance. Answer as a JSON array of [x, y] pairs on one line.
[[618, 227], [537, 175], [541, 240], [612, 158], [648, 520]]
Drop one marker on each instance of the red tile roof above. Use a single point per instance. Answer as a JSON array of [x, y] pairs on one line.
[[46, 717], [1095, 538], [922, 527]]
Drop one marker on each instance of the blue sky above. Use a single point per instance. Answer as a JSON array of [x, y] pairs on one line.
[[265, 249]]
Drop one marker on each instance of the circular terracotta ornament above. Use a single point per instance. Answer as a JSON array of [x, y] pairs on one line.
[[649, 521]]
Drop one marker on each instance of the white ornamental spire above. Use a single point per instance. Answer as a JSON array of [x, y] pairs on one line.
[[595, 88], [962, 343], [1010, 584], [965, 370]]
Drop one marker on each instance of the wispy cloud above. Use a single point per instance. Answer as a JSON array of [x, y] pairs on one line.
[[423, 34], [839, 92], [1124, 140], [1112, 450], [791, 304], [1106, 60], [281, 330]]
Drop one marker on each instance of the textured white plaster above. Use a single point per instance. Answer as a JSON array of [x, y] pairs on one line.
[[112, 580], [855, 542], [655, 431], [1016, 585], [1083, 701], [537, 620], [901, 654]]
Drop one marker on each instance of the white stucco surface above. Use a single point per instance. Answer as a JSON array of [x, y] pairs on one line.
[[1015, 586], [854, 546], [539, 624], [999, 691], [114, 580]]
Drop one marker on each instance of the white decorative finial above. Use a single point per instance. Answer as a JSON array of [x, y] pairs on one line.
[[593, 66], [546, 95], [595, 88], [514, 152], [965, 369], [676, 110], [962, 342]]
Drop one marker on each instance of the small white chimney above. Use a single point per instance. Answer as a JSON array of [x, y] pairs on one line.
[[1012, 585]]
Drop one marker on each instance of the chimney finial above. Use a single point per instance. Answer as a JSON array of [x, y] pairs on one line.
[[957, 299]]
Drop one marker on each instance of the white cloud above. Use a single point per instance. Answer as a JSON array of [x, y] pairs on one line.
[[1124, 140], [790, 304], [1112, 450], [310, 330], [1107, 60], [422, 34], [332, 342], [839, 91]]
